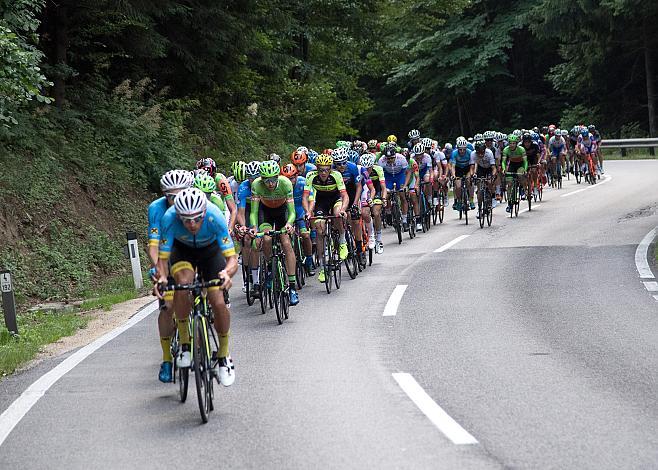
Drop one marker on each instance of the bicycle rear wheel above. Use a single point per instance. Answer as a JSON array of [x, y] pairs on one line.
[[246, 277], [443, 199], [351, 262], [202, 370], [481, 210], [397, 222], [489, 210]]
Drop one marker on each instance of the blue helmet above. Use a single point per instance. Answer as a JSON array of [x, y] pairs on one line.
[[534, 136], [312, 155], [584, 133], [354, 156]]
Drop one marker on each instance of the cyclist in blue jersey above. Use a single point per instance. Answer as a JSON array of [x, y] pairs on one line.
[[396, 169], [171, 183], [299, 183], [463, 164], [249, 256], [195, 236], [353, 185], [300, 160]]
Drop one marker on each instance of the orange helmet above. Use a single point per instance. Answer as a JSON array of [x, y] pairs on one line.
[[327, 152], [298, 158], [290, 171]]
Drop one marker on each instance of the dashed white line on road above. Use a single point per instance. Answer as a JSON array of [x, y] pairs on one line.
[[641, 261], [527, 210], [451, 244], [605, 180], [394, 300], [19, 408], [448, 426]]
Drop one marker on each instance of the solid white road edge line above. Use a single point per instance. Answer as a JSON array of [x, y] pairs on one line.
[[450, 244], [394, 300], [641, 253], [19, 408], [606, 179], [448, 426]]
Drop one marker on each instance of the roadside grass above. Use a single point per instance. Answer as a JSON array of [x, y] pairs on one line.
[[36, 329], [39, 328], [631, 154]]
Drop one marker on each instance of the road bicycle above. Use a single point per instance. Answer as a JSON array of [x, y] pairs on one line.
[[463, 199], [204, 346], [513, 197], [425, 206], [301, 270], [277, 273], [485, 205], [396, 212], [330, 263]]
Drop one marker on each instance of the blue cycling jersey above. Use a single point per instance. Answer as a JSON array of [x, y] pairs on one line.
[[298, 193], [156, 210], [244, 193], [308, 167], [462, 161], [351, 174], [214, 229]]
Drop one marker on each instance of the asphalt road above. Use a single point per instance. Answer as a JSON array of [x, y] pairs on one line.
[[535, 335]]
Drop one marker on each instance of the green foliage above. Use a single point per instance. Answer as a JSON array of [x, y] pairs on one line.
[[35, 329], [21, 80]]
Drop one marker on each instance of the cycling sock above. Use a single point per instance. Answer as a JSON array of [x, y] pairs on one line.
[[378, 235], [371, 228], [404, 217], [292, 280], [223, 344], [183, 330], [254, 275], [341, 238], [359, 246], [166, 349]]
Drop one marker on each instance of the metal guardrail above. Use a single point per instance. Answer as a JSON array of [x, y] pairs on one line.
[[624, 144]]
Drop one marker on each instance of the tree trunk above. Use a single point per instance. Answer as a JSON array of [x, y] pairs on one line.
[[61, 49], [461, 117], [649, 71]]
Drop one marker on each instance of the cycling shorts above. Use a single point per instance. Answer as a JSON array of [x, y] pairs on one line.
[[513, 167], [397, 180], [461, 171], [273, 217], [208, 260], [326, 201], [484, 172]]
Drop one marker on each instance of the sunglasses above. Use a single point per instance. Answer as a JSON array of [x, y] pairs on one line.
[[195, 220], [272, 180], [324, 170], [341, 164]]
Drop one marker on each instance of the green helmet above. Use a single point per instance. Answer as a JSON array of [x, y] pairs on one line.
[[239, 171], [342, 143], [235, 165], [513, 138], [269, 169], [205, 183]]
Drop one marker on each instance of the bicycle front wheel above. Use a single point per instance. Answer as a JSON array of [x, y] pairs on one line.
[[202, 369]]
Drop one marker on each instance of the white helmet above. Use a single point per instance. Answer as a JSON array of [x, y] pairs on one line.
[[427, 142], [339, 155], [275, 157], [448, 146], [253, 169], [414, 134], [418, 149], [462, 143], [367, 160], [302, 149], [191, 201], [478, 137], [176, 179]]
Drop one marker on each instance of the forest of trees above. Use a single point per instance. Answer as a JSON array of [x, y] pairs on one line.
[[257, 73], [99, 97]]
